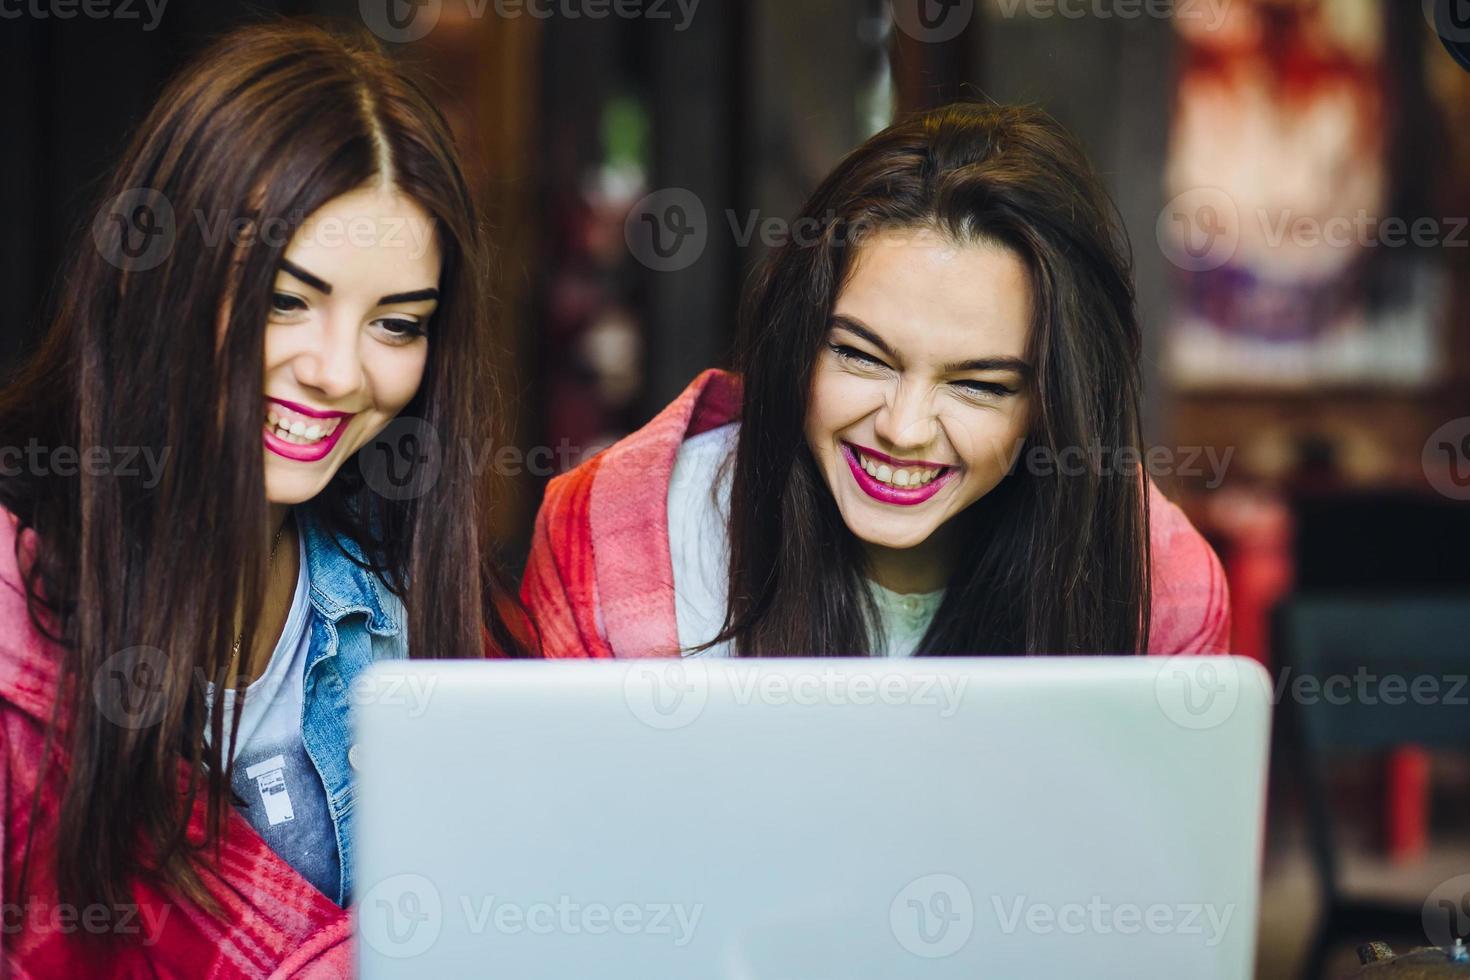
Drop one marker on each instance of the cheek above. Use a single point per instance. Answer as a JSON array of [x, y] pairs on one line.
[[839, 399], [395, 374], [987, 441], [277, 351]]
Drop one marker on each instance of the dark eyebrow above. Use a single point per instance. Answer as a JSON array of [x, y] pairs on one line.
[[997, 363], [862, 330], [412, 297], [319, 284], [322, 286], [990, 364]]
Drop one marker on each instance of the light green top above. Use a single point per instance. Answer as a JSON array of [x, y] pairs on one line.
[[699, 547]]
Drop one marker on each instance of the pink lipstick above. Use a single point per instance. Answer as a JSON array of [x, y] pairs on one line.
[[292, 412], [887, 493]]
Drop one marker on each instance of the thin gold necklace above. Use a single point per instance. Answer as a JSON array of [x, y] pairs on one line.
[[269, 564]]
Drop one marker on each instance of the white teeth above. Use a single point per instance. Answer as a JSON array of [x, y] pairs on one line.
[[297, 432], [902, 477]]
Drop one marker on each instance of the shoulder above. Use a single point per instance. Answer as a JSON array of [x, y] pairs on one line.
[[1190, 599], [625, 485], [565, 513], [698, 459]]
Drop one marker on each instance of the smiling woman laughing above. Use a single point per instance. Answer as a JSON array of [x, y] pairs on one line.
[[177, 649], [885, 474]]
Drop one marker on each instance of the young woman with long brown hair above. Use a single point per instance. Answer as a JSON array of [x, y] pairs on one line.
[[932, 446], [287, 263]]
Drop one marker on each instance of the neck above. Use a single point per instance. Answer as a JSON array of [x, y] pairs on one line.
[[922, 568], [274, 520]]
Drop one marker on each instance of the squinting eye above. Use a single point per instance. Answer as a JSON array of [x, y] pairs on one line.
[[286, 303], [984, 389], [405, 329], [855, 356]]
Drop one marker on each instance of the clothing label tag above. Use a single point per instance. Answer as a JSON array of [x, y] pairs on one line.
[[270, 778]]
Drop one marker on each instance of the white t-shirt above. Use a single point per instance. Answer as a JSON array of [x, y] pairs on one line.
[[699, 547], [282, 792]]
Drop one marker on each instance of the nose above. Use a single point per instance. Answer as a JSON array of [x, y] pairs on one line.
[[906, 422], [331, 362]]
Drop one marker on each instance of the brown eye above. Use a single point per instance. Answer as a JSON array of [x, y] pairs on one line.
[[286, 303], [401, 331]]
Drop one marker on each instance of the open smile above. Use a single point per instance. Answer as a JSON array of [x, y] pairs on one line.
[[895, 481], [300, 433]]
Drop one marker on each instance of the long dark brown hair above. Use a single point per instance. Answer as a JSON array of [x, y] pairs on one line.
[[1051, 563], [266, 126]]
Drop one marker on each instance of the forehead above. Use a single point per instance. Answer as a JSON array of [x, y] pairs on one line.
[[927, 295], [378, 240]]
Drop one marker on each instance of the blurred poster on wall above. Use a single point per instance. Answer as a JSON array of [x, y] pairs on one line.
[[1295, 263]]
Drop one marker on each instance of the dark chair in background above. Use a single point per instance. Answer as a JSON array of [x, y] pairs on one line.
[[1353, 635]]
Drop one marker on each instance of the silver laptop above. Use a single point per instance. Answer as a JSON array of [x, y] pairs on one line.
[[801, 819]]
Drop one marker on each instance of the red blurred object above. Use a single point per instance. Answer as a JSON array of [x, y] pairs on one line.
[[1406, 803], [1256, 529]]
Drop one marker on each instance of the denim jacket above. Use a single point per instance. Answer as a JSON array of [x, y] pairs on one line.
[[355, 620]]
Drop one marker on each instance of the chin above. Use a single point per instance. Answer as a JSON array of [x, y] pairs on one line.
[[892, 538], [283, 490]]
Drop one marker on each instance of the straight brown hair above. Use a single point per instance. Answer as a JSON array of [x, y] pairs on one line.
[[1052, 563], [265, 126]]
